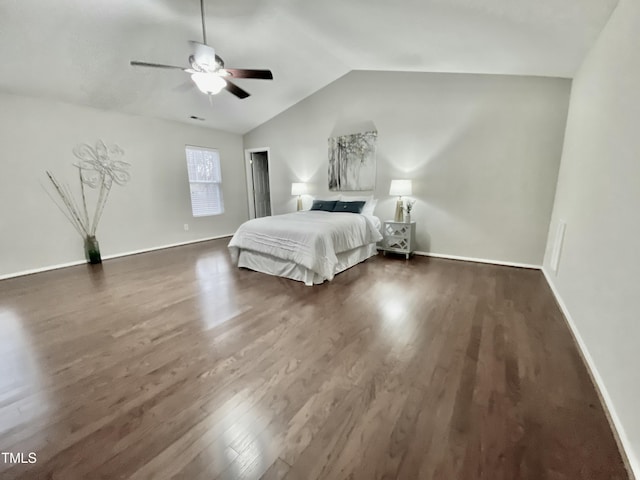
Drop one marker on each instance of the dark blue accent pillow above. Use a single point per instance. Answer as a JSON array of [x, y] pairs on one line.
[[350, 207], [324, 205]]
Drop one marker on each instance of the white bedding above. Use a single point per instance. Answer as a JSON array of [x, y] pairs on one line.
[[312, 239], [261, 262]]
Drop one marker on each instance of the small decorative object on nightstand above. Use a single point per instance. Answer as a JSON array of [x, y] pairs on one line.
[[408, 208], [399, 237]]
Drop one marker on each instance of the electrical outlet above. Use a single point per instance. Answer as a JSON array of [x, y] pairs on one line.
[[186, 227]]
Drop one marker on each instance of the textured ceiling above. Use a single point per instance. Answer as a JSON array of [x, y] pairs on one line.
[[79, 50]]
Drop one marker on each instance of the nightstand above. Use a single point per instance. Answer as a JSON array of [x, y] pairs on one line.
[[399, 237]]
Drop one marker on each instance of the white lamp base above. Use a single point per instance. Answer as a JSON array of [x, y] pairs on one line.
[[299, 203], [399, 211]]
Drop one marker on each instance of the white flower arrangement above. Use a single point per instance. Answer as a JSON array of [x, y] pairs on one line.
[[409, 206]]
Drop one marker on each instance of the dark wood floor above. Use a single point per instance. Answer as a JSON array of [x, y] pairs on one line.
[[174, 364]]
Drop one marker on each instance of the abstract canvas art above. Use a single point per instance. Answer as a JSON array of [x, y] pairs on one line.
[[352, 162]]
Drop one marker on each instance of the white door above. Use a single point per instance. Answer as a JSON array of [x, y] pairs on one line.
[[261, 193]]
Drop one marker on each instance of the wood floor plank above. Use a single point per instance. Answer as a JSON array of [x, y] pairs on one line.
[[277, 471], [176, 365]]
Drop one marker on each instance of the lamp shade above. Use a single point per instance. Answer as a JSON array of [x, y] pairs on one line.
[[298, 188], [400, 187]]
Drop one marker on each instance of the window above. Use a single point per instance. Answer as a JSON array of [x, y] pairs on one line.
[[205, 181]]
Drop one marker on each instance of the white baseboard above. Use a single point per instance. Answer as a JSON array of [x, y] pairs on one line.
[[108, 257], [619, 433], [479, 260], [42, 269], [162, 247]]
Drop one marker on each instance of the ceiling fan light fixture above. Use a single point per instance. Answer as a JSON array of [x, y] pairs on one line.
[[208, 83], [207, 69]]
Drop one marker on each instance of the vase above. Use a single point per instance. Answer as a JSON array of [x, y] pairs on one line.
[[407, 217], [92, 250]]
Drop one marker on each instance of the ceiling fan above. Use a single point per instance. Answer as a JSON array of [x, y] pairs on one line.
[[207, 69]]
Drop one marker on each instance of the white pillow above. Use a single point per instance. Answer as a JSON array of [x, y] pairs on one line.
[[369, 207]]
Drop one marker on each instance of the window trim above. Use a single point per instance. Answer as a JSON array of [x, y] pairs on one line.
[[218, 185]]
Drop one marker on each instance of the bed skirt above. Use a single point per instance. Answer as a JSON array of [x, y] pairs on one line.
[[271, 265]]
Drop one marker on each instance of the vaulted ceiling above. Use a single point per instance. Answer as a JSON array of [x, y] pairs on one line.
[[78, 51]]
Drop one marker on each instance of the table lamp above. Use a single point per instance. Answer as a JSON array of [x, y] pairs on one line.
[[299, 189], [400, 188]]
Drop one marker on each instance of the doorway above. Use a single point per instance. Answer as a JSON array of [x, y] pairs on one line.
[[258, 184]]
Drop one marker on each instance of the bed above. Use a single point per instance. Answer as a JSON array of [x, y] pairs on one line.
[[309, 246]]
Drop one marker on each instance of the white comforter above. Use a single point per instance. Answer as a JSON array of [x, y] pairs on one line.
[[309, 238]]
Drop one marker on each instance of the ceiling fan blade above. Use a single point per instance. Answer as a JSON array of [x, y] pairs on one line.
[[135, 63], [236, 90], [246, 73]]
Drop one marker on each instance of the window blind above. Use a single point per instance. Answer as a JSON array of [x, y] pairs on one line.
[[205, 181]]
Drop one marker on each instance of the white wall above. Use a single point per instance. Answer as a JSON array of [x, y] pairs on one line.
[[38, 135], [483, 152], [598, 196]]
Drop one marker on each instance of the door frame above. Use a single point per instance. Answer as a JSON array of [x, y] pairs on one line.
[[249, 175]]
